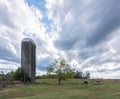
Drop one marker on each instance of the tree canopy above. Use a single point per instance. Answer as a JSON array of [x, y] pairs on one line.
[[61, 69]]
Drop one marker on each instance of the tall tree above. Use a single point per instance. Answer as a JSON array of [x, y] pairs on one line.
[[61, 69]]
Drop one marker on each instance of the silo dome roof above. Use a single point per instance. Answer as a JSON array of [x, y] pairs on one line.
[[28, 40]]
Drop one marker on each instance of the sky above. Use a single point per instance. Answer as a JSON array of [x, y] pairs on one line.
[[84, 32]]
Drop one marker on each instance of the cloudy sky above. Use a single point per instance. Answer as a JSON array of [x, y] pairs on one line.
[[84, 32]]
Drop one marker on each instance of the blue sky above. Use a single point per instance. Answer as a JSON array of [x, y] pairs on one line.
[[40, 4], [84, 32]]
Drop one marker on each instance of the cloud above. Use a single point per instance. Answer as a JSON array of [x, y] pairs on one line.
[[20, 20], [7, 66], [85, 33], [17, 21], [88, 33], [89, 23], [107, 23]]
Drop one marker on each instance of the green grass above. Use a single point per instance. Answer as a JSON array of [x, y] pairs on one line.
[[71, 89]]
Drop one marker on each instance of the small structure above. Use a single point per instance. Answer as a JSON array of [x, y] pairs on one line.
[[28, 60]]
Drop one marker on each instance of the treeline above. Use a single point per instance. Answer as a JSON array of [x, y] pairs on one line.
[[11, 76], [60, 70], [16, 75], [82, 75], [77, 75]]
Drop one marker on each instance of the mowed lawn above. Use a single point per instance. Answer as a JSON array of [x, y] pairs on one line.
[[70, 89]]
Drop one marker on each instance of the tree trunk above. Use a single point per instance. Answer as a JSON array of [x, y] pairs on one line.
[[59, 81]]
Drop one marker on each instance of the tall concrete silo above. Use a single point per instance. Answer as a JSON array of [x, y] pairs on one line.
[[28, 60]]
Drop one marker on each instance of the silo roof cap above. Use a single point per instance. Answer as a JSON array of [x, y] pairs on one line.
[[28, 40]]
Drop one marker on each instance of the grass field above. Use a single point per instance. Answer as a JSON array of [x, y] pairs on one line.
[[70, 89]]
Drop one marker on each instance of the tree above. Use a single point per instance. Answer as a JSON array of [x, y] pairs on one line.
[[78, 74], [61, 69], [86, 75], [82, 75], [19, 75]]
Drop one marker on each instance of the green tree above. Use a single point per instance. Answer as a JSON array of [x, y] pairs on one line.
[[19, 75], [78, 74], [61, 69], [49, 71], [87, 75]]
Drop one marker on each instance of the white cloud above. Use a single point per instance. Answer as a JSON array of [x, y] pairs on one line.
[[89, 29], [83, 32], [7, 66], [17, 21]]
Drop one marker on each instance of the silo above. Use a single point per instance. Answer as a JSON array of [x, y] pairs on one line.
[[28, 60]]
